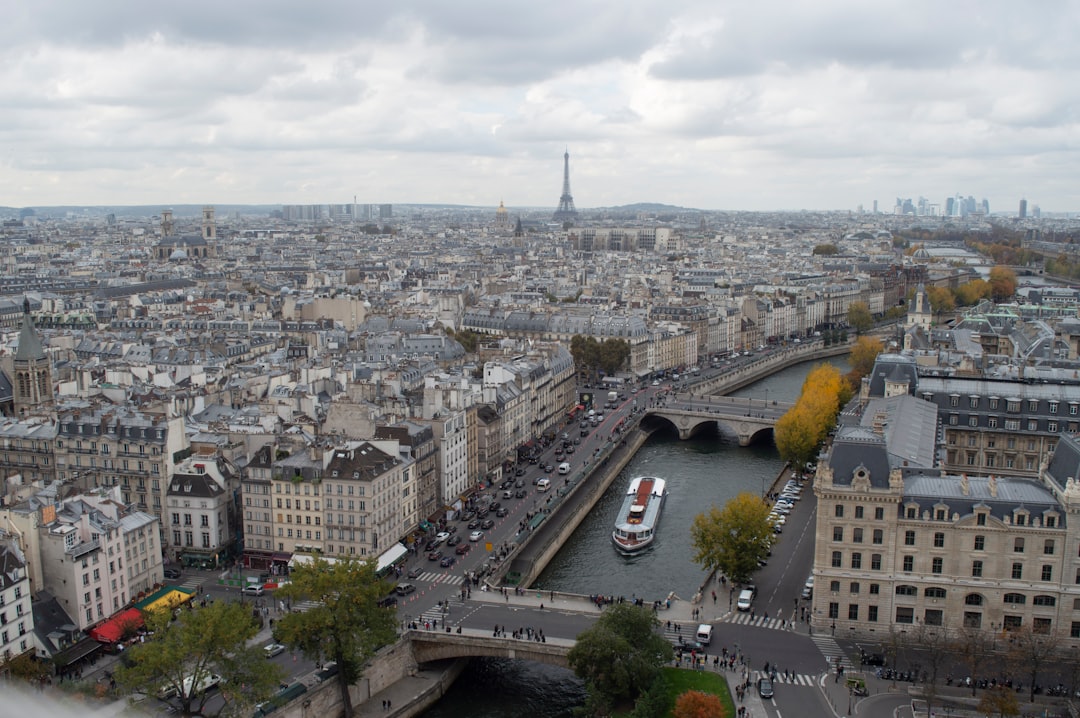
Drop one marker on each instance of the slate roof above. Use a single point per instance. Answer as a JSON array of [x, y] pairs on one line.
[[856, 447], [1066, 461], [1012, 493], [894, 367], [910, 427]]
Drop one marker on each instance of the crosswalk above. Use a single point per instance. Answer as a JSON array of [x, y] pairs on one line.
[[832, 651], [440, 615], [747, 619], [442, 577]]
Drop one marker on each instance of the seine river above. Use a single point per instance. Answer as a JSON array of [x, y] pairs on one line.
[[700, 472]]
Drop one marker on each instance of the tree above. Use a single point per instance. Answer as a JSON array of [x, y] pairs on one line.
[[346, 625], [733, 539], [941, 299], [934, 642], [863, 355], [620, 656], [859, 316], [1029, 652], [972, 646], [1000, 701], [612, 355], [698, 704], [826, 250], [1002, 284], [199, 643], [797, 436]]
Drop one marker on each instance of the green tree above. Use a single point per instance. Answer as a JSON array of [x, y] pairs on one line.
[[859, 316], [620, 656], [612, 355], [210, 640], [826, 250], [347, 625], [733, 539]]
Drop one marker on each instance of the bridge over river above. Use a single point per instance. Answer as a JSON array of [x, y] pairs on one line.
[[743, 416]]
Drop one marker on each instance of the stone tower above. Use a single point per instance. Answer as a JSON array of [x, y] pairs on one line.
[[33, 389]]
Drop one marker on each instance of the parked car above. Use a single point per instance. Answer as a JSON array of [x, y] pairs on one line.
[[388, 602], [872, 659], [172, 573]]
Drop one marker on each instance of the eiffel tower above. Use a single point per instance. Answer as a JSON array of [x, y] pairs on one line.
[[566, 211]]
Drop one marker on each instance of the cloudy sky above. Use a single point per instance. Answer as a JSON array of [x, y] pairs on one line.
[[712, 104]]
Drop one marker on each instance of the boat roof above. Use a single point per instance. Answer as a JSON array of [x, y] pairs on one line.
[[652, 508], [657, 487]]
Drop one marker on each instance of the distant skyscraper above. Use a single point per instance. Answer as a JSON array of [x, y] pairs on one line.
[[566, 211], [875, 206], [1023, 209]]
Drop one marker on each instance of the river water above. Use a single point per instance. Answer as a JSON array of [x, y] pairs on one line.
[[706, 470]]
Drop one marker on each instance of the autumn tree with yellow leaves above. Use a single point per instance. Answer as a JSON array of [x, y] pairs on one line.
[[800, 433]]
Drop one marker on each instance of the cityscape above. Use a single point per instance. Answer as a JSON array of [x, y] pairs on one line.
[[462, 362]]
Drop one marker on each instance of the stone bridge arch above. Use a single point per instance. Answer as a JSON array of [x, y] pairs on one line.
[[434, 646], [688, 423]]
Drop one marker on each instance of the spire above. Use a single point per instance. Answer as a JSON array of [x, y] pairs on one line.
[[30, 348], [566, 211]]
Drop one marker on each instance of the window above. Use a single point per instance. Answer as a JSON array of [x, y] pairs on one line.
[[858, 512], [909, 564], [879, 513], [838, 533], [837, 559], [1047, 573], [1048, 547], [1015, 599], [875, 589], [856, 560], [911, 512], [834, 610], [856, 536], [1012, 623], [878, 537], [909, 538], [871, 614], [875, 562], [853, 612], [977, 569], [972, 619], [1044, 601], [838, 512], [834, 586], [904, 590], [905, 614], [980, 519], [854, 587], [934, 592], [973, 599], [1017, 570], [936, 565], [1051, 522], [932, 617], [980, 543], [939, 540]]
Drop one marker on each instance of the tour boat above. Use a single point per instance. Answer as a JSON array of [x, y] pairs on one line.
[[635, 528]]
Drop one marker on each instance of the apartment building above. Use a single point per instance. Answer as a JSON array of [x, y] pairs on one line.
[[902, 547], [198, 504], [16, 618]]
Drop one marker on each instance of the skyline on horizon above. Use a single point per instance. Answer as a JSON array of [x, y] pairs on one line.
[[716, 108]]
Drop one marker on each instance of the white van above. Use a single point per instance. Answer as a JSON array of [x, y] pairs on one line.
[[564, 468], [543, 485], [704, 634], [746, 598]]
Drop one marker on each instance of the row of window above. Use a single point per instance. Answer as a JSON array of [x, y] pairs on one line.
[[937, 566], [189, 539], [1021, 517], [935, 617], [1011, 405]]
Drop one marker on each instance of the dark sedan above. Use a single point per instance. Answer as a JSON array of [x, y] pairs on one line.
[[434, 556], [448, 561], [488, 523]]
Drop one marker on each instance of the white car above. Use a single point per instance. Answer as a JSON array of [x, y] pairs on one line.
[[441, 536], [476, 535], [273, 649]]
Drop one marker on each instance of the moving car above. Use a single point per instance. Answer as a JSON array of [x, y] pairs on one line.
[[273, 649], [765, 688], [463, 549], [487, 523], [746, 599], [476, 535], [415, 571], [448, 561], [434, 555], [404, 589], [253, 589], [172, 573]]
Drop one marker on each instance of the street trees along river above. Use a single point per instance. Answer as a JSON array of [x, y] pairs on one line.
[[346, 624], [181, 657], [800, 433], [733, 539], [620, 657]]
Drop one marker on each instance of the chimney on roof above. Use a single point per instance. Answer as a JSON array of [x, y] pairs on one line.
[[965, 487], [993, 486], [879, 423]]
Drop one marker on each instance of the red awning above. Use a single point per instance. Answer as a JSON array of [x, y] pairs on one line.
[[112, 630]]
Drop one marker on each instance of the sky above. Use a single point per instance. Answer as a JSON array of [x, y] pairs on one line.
[[698, 103]]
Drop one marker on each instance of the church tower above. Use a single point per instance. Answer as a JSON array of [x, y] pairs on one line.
[[33, 370], [209, 227], [920, 314]]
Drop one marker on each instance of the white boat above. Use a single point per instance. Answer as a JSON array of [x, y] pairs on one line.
[[635, 527]]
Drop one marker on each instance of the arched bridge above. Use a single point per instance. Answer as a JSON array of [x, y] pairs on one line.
[[745, 417], [435, 645]]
